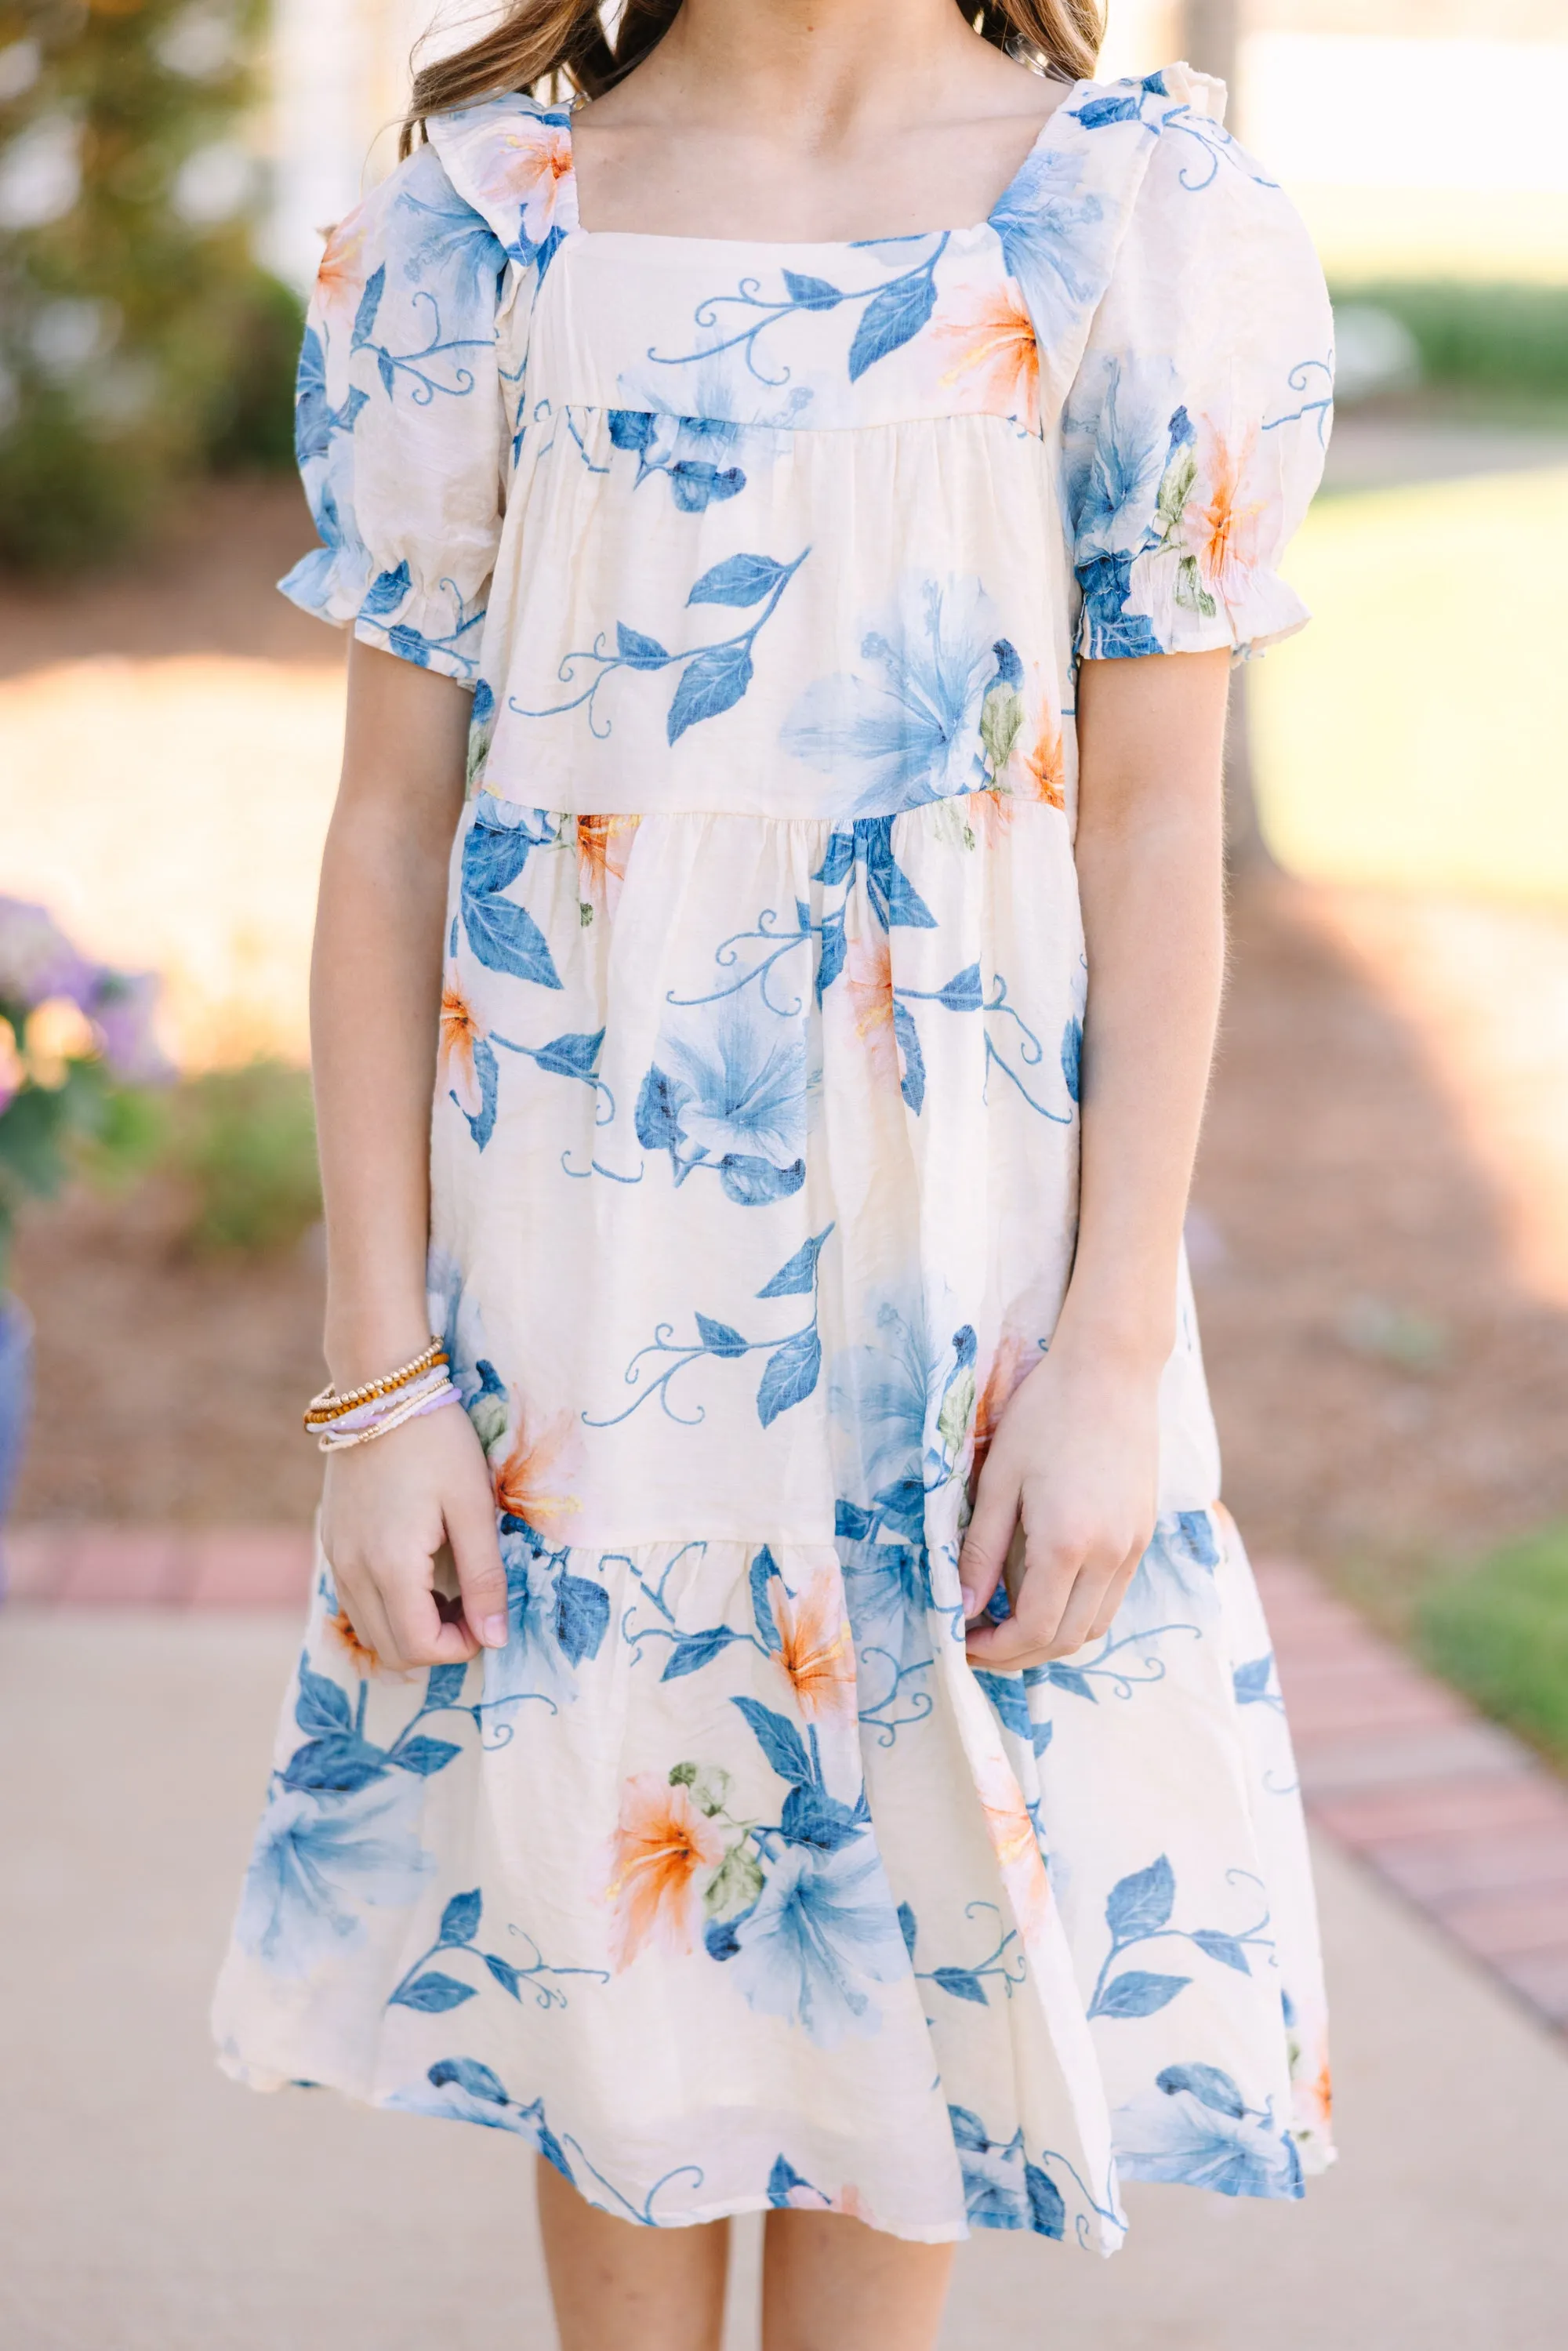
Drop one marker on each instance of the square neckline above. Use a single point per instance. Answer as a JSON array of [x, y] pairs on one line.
[[642, 236]]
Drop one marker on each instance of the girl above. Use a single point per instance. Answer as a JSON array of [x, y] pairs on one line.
[[802, 1737]]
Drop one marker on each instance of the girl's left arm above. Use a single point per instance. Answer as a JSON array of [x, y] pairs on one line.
[[1076, 1454]]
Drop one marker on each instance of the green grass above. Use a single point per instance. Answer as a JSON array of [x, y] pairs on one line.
[[243, 1144], [1507, 337], [1499, 1633]]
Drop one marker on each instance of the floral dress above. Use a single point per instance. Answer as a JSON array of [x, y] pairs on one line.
[[728, 1882]]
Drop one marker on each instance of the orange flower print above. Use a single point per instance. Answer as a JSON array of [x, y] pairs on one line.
[[603, 846], [815, 1647], [1008, 1367], [340, 1632], [996, 371], [461, 1031], [340, 279], [1015, 1844], [1044, 776], [662, 1848], [528, 163], [868, 981], [1225, 527], [528, 1483]]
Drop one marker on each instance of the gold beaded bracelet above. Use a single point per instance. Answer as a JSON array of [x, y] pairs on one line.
[[330, 1405]]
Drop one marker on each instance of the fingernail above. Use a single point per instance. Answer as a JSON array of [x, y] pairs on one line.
[[971, 1605], [493, 1632]]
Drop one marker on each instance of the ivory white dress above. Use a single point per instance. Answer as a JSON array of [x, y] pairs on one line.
[[728, 1882]]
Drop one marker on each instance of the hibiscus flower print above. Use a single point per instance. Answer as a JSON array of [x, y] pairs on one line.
[[603, 846], [1014, 1842], [340, 279], [815, 1649], [1221, 523], [868, 997], [460, 1033], [531, 1482], [528, 163], [996, 367], [664, 1850], [821, 1928]]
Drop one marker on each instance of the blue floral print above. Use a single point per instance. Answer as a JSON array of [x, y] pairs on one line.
[[753, 1192]]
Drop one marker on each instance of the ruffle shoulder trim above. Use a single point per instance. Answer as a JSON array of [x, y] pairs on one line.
[[510, 159]]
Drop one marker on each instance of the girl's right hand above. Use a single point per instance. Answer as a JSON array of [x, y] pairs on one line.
[[387, 1512]]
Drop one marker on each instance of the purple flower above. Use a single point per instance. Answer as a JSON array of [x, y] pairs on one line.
[[37, 961], [121, 1010]]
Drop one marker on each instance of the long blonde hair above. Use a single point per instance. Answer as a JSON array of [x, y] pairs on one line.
[[538, 39]]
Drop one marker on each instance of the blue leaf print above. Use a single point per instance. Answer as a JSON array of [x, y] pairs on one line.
[[470, 2075], [839, 861], [798, 1277], [694, 1650], [911, 1085], [1252, 1681], [572, 1056], [1194, 1537], [630, 428], [1065, 1677], [486, 1071], [1047, 2211], [444, 1684], [386, 593], [504, 936], [1137, 1993], [370, 304], [423, 1757], [493, 853], [834, 953], [894, 900], [581, 1616], [782, 2181], [431, 1995], [713, 682], [908, 1928], [1073, 1056], [1100, 111], [891, 318], [850, 1523], [968, 2131], [720, 1939], [656, 1119], [1223, 1947], [1041, 1735], [322, 1708], [779, 1740], [502, 1972], [1142, 1903], [741, 580], [811, 1817], [764, 1568], [789, 1375], [810, 293], [637, 651], [460, 1919], [338, 1765], [719, 1337], [963, 992], [961, 1984], [1207, 2083], [1006, 1692]]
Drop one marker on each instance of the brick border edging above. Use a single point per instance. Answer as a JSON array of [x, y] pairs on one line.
[[1454, 1813]]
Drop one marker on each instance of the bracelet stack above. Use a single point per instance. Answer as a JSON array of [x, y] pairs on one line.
[[361, 1414]]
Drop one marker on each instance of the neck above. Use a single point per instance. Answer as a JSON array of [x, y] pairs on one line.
[[836, 63]]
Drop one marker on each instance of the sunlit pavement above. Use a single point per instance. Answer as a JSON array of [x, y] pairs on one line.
[[149, 2205]]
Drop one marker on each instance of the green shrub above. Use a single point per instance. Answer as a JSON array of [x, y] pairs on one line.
[[243, 1142], [1499, 338], [139, 341], [1499, 1631]]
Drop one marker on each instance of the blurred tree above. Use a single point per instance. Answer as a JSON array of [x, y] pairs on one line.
[[138, 338]]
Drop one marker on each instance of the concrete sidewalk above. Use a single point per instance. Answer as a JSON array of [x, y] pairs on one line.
[[148, 2205]]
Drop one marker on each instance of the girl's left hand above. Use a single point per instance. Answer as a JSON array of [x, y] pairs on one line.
[[1075, 1459]]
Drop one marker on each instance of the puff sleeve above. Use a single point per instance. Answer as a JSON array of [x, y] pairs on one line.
[[1194, 429], [402, 423]]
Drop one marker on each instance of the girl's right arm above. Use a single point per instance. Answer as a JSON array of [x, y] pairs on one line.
[[375, 995]]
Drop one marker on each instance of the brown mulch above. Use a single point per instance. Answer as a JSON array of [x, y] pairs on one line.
[[1388, 1393]]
